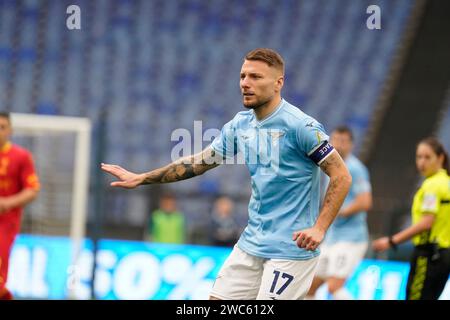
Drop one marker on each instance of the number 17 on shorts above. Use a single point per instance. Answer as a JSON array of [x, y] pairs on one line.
[[287, 279]]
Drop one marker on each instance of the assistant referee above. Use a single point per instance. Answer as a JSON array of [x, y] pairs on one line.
[[430, 230]]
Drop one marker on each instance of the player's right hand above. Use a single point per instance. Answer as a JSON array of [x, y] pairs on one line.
[[126, 178]]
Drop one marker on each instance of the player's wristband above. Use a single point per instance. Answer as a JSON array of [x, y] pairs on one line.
[[392, 243]]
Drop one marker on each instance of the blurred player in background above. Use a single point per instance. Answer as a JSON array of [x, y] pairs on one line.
[[166, 224], [276, 255], [224, 230], [347, 239], [430, 230], [19, 186]]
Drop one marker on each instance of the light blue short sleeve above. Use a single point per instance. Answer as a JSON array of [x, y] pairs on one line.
[[361, 181], [313, 140], [226, 144]]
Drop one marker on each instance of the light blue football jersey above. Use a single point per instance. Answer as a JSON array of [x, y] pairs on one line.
[[283, 153], [354, 227]]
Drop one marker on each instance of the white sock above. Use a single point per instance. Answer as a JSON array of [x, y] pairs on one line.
[[342, 294]]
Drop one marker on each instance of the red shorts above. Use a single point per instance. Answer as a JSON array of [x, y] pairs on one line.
[[9, 228]]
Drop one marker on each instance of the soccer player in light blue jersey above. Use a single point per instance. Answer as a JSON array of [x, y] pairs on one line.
[[347, 239], [284, 150]]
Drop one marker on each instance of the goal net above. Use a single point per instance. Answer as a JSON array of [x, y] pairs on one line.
[[61, 148]]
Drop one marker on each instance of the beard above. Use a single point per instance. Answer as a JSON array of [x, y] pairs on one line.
[[257, 104]]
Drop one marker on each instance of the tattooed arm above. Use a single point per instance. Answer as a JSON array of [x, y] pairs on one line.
[[340, 181], [182, 169]]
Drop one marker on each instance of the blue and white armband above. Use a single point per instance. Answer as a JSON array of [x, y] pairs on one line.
[[321, 152]]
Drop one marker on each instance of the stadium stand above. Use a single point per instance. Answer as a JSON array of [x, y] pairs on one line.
[[150, 67], [444, 128]]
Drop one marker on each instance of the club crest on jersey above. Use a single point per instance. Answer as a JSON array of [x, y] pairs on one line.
[[276, 136]]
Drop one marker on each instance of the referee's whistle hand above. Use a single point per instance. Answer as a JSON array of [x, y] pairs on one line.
[[308, 239], [127, 179]]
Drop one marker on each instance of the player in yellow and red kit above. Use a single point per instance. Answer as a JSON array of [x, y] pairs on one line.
[[19, 185]]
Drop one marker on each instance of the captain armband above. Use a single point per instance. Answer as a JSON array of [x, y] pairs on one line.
[[321, 152]]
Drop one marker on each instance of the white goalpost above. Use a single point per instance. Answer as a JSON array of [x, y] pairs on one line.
[[61, 149]]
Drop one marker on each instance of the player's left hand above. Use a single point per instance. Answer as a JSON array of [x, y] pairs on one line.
[[381, 244], [309, 239]]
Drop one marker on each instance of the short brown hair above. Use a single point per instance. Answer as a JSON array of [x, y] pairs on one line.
[[5, 115], [344, 130], [269, 56]]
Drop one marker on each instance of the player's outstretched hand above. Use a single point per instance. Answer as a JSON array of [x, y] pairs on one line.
[[126, 178], [308, 239], [381, 244]]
